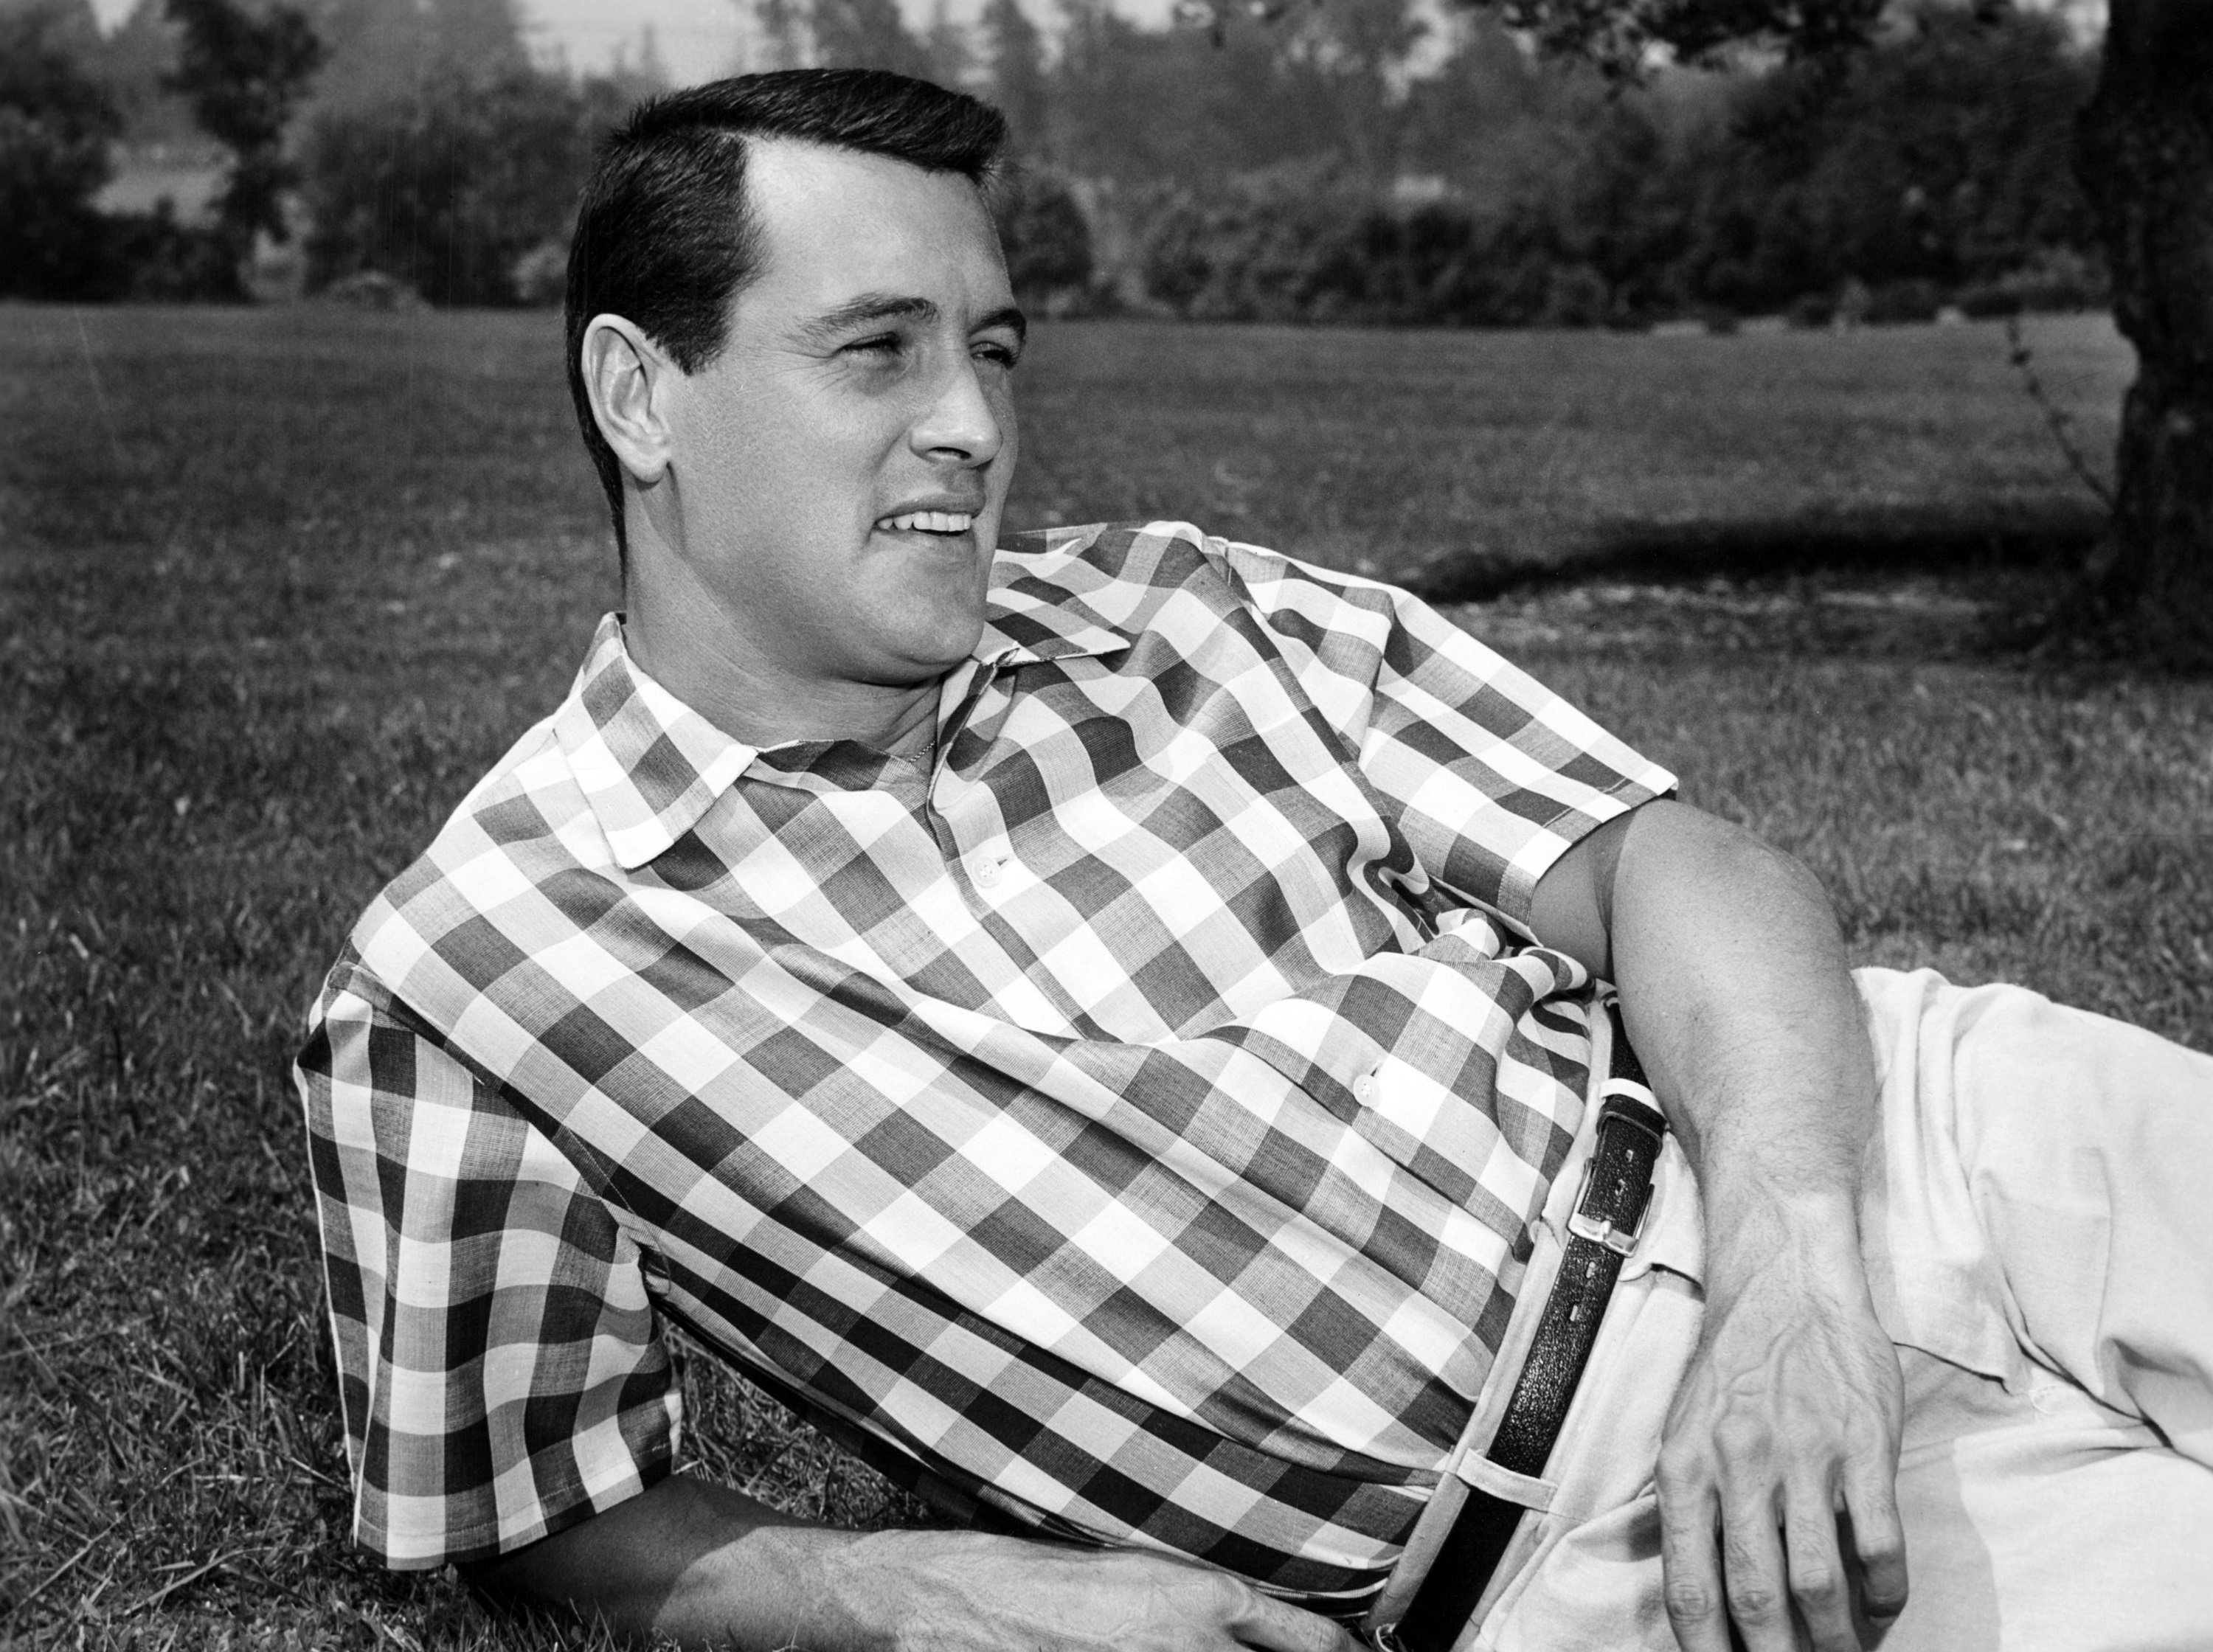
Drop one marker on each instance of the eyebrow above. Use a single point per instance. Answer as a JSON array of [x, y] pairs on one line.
[[871, 307], [1009, 316]]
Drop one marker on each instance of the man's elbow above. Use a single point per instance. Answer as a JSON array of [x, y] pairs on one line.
[[1677, 853]]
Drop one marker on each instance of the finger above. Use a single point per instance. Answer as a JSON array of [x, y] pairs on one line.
[[1752, 1574], [1261, 1621], [1820, 1583], [1690, 1559], [1876, 1538]]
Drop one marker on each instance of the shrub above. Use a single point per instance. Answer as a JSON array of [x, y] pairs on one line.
[[1811, 310], [1575, 295], [372, 290], [1047, 241], [451, 189], [1280, 244], [540, 277], [152, 258], [1988, 301], [1904, 301], [2060, 278]]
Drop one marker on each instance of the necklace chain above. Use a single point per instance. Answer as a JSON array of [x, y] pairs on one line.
[[923, 757]]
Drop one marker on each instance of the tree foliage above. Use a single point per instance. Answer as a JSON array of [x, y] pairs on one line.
[[136, 61], [452, 190], [55, 124], [243, 71], [2146, 156], [1015, 59], [1927, 168], [1621, 36], [1046, 238], [865, 34], [1160, 106], [1941, 159], [382, 51]]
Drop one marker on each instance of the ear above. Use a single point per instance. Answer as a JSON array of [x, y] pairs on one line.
[[628, 379]]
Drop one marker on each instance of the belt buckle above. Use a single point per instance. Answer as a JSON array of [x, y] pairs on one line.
[[1600, 1229]]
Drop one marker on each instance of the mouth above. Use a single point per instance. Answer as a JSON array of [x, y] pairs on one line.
[[944, 523]]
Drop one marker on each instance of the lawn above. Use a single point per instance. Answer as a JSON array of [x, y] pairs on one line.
[[279, 584]]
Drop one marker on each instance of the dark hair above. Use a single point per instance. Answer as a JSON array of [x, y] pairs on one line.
[[665, 235]]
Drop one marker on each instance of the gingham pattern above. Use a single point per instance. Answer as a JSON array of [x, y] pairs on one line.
[[1134, 1125]]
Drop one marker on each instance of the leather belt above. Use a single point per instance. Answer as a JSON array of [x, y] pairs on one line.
[[1608, 1213]]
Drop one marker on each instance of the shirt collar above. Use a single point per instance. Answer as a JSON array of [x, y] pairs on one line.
[[1032, 614], [650, 767], [648, 763]]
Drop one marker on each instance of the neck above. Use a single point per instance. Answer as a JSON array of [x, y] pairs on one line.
[[682, 639]]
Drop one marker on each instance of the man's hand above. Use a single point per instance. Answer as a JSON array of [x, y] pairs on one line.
[[1777, 1477], [706, 1566], [1735, 994]]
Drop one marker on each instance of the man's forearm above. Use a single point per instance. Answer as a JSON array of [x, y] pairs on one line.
[[1736, 993], [688, 1559], [709, 1567]]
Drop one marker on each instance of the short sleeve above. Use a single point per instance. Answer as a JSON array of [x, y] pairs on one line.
[[498, 1362], [1492, 777]]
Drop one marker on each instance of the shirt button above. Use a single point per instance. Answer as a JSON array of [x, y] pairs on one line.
[[987, 874], [1363, 1089]]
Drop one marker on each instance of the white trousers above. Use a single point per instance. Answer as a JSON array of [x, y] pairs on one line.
[[2038, 1224]]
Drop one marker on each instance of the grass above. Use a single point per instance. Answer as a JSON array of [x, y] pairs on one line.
[[1428, 457], [279, 584]]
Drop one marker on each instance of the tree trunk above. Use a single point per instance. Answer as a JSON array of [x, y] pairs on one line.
[[2144, 150]]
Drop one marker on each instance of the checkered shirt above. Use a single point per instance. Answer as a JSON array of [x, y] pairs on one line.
[[1130, 1127]]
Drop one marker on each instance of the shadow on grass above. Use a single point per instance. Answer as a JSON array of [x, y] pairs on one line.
[[1871, 543], [1878, 586]]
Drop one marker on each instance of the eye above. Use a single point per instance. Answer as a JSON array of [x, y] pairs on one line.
[[881, 343], [997, 351]]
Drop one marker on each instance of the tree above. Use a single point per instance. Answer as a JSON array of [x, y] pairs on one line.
[[783, 25], [384, 50], [2144, 152], [855, 34], [452, 188], [1936, 159], [243, 71], [55, 124], [1473, 116], [1182, 106], [135, 62], [485, 35], [1359, 52], [947, 46], [867, 34], [1014, 53], [1046, 239]]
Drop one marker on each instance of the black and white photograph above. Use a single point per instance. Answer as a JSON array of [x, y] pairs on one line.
[[1107, 826]]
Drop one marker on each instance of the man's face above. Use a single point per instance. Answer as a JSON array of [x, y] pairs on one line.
[[840, 468]]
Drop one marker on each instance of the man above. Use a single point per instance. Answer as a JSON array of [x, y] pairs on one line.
[[1109, 1027]]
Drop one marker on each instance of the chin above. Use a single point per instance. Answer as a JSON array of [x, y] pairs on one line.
[[928, 646]]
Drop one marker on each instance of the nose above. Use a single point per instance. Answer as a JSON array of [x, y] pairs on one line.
[[964, 423]]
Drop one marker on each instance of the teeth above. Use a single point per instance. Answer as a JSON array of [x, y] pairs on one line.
[[929, 521]]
